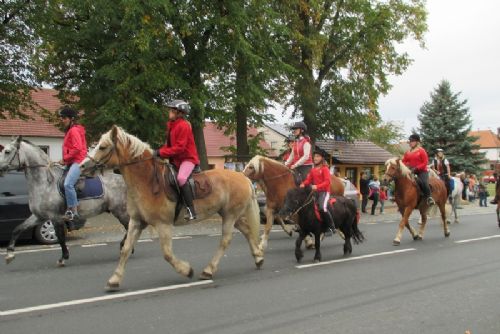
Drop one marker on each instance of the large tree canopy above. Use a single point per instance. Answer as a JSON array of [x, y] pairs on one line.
[[342, 52], [17, 41], [445, 123]]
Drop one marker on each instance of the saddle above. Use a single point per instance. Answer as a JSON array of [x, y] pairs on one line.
[[86, 187], [331, 201], [420, 187], [199, 182]]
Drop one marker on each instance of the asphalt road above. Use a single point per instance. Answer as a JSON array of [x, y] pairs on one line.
[[438, 285]]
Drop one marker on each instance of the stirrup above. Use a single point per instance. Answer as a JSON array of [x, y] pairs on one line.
[[190, 214], [69, 215]]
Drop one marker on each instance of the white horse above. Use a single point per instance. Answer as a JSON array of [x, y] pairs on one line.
[[456, 195]]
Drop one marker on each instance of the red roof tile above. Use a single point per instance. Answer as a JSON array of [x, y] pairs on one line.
[[487, 139], [37, 126], [215, 139]]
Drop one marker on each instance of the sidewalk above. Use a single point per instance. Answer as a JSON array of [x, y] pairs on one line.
[[106, 228]]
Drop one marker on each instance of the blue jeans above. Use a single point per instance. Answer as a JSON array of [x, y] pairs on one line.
[[69, 185]]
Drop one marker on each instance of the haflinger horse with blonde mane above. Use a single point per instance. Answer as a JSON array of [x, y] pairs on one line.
[[276, 179], [152, 201], [408, 198]]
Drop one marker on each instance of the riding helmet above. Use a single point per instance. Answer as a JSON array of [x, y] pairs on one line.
[[299, 125], [67, 111], [179, 105], [439, 150], [414, 137], [320, 152]]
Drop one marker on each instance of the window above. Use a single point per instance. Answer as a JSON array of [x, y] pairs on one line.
[[352, 174], [45, 148]]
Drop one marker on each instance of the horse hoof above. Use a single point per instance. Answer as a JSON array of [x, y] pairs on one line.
[[317, 261], [456, 221], [191, 273], [111, 287], [396, 242], [447, 234], [205, 276], [259, 263], [9, 258], [61, 263], [448, 222], [417, 237]]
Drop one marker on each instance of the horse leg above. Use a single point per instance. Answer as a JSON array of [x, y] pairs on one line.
[[251, 233], [228, 222], [60, 229], [402, 224], [267, 229], [498, 214], [455, 205], [28, 223], [135, 228], [123, 218], [165, 235], [287, 228], [317, 245], [421, 230], [298, 243], [442, 209]]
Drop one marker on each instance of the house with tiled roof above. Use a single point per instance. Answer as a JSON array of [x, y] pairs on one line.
[[489, 143], [352, 158], [37, 129], [275, 135]]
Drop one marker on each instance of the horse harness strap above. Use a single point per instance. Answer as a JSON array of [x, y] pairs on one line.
[[308, 201]]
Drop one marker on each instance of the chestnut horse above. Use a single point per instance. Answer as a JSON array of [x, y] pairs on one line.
[[407, 196], [276, 179], [150, 201]]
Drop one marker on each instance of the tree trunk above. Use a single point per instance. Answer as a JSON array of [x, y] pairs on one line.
[[241, 109]]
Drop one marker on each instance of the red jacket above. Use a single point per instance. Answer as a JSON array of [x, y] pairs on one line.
[[74, 145], [320, 177], [417, 159], [180, 146]]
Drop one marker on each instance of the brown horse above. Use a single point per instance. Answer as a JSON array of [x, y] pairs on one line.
[[150, 201], [276, 179], [407, 197]]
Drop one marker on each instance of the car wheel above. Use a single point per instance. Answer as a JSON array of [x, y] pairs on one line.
[[45, 233]]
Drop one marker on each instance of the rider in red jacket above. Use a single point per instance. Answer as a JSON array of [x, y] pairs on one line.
[[319, 178], [74, 152], [417, 159], [180, 148]]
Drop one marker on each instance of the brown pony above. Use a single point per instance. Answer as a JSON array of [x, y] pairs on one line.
[[276, 179], [150, 201], [407, 198]]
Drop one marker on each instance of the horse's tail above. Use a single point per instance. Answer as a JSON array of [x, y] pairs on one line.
[[357, 235], [252, 213]]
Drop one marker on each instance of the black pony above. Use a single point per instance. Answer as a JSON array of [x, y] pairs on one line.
[[344, 213]]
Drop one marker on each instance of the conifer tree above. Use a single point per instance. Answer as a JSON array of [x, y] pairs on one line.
[[445, 123]]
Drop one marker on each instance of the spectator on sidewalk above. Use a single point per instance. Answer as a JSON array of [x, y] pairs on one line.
[[365, 190], [382, 198], [374, 186], [483, 195]]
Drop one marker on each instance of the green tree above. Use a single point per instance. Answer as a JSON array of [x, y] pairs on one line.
[[445, 123], [17, 40], [342, 52], [386, 135]]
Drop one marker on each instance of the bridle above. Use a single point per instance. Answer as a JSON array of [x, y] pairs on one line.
[[101, 163], [308, 201]]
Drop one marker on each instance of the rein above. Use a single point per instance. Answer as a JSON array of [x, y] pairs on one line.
[[308, 201]]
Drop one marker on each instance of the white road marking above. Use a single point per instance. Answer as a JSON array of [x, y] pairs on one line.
[[100, 298], [367, 256], [183, 237], [33, 250], [94, 245], [477, 239], [145, 240]]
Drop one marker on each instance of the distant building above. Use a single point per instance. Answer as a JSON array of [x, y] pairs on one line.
[[489, 144], [37, 130]]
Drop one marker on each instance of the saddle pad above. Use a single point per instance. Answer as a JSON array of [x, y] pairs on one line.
[[86, 188], [332, 201]]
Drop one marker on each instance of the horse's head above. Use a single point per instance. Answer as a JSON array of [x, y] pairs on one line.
[[115, 148], [394, 168], [10, 158], [254, 168], [295, 199]]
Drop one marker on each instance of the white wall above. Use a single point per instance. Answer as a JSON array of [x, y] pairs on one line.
[[274, 139], [54, 144]]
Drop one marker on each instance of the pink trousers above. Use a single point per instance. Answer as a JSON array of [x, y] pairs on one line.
[[185, 170]]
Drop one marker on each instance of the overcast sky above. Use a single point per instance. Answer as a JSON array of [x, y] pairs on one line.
[[463, 47]]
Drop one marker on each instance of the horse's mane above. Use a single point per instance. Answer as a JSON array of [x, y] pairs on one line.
[[135, 146], [405, 171], [38, 149], [259, 167]]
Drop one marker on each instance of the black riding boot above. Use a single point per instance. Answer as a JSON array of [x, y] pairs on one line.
[[328, 220], [187, 196]]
